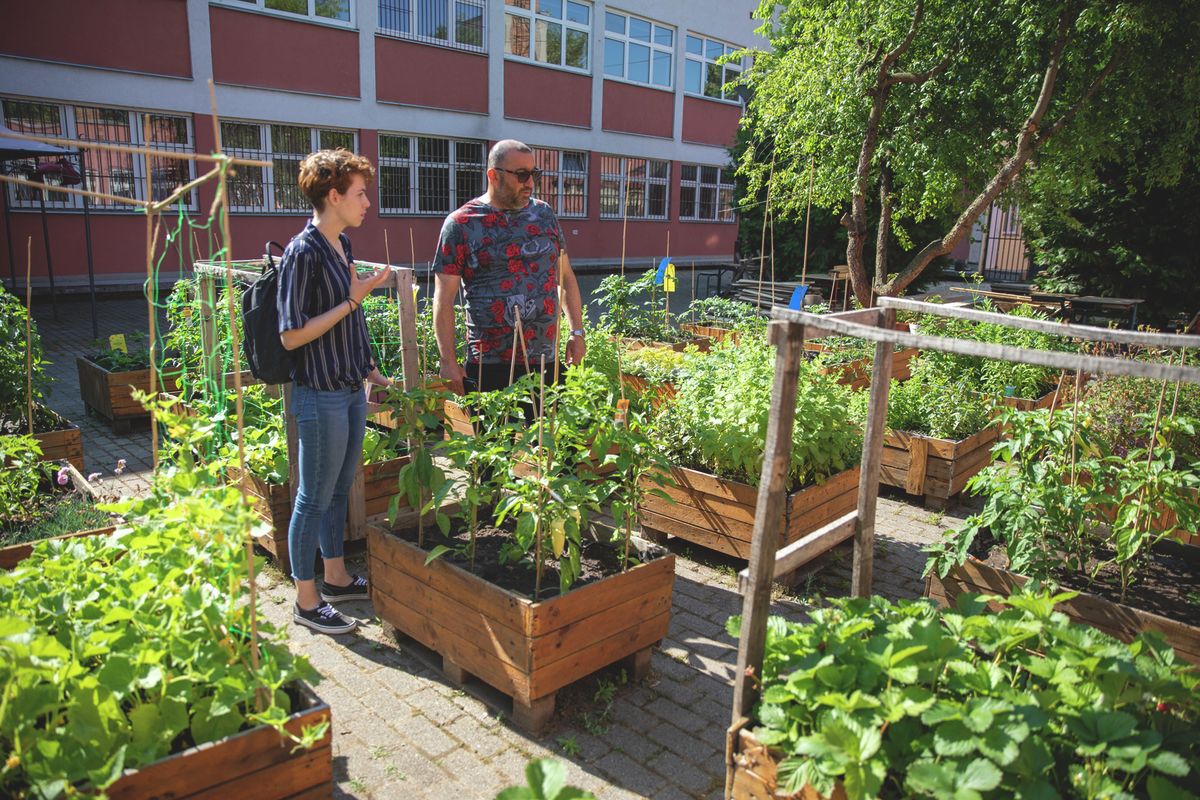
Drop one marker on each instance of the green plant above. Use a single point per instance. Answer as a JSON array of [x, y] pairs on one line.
[[1056, 485], [726, 313], [136, 355], [718, 418], [21, 470], [656, 364], [144, 649], [624, 314], [569, 745], [934, 404], [14, 379], [907, 700], [547, 780], [420, 480]]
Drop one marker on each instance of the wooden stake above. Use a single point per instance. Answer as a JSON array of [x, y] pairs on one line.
[[666, 294], [29, 329]]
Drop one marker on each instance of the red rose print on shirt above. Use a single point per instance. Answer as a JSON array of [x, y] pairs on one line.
[[461, 254], [462, 217], [497, 308], [489, 220], [516, 266], [549, 286], [549, 304], [533, 230], [506, 285], [484, 257], [513, 250], [468, 273], [447, 250]]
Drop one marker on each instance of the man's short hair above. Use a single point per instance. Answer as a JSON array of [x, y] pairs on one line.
[[502, 148]]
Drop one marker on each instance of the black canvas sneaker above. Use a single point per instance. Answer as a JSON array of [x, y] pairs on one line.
[[323, 619], [357, 590]]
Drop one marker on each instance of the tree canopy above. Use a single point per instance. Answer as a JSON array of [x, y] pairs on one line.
[[934, 108]]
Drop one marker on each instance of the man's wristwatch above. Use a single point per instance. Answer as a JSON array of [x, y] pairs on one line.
[[577, 332]]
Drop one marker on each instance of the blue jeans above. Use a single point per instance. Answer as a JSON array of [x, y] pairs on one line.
[[330, 427]]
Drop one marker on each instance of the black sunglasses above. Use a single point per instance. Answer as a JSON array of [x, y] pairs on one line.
[[522, 175]]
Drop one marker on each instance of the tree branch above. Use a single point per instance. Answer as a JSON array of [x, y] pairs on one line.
[[1083, 100], [893, 56], [921, 77]]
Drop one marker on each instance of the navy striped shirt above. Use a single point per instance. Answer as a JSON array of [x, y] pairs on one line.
[[312, 280]]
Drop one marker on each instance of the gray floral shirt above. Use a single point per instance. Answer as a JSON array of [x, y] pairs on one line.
[[507, 260]]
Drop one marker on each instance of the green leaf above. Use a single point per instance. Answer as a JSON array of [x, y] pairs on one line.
[[436, 553], [981, 775], [1169, 763]]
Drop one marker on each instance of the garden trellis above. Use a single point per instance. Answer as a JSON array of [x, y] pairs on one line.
[[788, 330]]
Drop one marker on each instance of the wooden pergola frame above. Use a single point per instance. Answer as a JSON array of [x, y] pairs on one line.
[[787, 332]]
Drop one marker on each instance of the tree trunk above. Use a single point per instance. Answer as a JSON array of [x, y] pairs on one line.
[[885, 228]]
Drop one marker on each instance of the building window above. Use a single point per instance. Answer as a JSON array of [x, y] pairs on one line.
[[554, 32], [321, 10], [706, 193], [274, 189], [563, 185], [118, 174], [638, 50], [636, 187], [703, 75], [428, 175], [456, 23]]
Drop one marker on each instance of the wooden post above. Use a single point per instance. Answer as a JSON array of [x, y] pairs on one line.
[[293, 438], [788, 338], [208, 325], [408, 328], [872, 457]]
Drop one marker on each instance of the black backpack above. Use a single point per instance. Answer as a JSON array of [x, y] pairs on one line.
[[269, 360]]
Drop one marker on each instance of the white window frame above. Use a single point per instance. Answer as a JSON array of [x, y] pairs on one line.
[[531, 17], [267, 153], [67, 122], [724, 181], [260, 7], [624, 180], [558, 177], [414, 164], [626, 40], [418, 7], [704, 60]]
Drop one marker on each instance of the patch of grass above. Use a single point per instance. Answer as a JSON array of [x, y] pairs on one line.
[[357, 785], [393, 772], [53, 515], [935, 518], [569, 746], [380, 752]]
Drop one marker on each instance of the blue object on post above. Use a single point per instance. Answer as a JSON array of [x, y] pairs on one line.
[[660, 276], [797, 301]]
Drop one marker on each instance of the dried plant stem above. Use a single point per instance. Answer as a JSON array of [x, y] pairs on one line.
[[29, 330]]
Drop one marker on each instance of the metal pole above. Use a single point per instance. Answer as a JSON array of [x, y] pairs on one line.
[[46, 239], [12, 263], [87, 232]]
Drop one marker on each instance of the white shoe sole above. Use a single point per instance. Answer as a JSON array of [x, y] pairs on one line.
[[319, 628]]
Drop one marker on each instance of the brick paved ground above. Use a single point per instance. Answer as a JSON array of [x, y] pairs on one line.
[[402, 731]]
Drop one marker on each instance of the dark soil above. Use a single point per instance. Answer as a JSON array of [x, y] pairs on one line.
[[44, 421], [599, 560], [1168, 584]]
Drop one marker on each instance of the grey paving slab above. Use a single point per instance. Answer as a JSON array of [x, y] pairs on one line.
[[401, 731]]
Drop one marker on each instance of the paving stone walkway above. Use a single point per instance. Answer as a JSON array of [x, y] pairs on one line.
[[402, 731]]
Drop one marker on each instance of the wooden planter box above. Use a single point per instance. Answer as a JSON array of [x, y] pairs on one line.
[[1120, 621], [857, 374], [936, 469], [273, 502], [61, 445], [15, 553], [710, 331], [702, 343], [751, 769], [719, 514], [383, 416], [256, 763], [528, 650], [1029, 404], [658, 393], [110, 394]]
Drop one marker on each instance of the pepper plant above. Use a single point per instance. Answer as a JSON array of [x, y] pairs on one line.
[[136, 355], [1000, 698], [14, 384], [420, 480]]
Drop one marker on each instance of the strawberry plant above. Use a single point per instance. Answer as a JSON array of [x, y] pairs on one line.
[[546, 779], [117, 651], [722, 312], [907, 700], [21, 471]]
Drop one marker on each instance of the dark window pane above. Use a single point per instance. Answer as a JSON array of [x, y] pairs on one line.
[[290, 139], [658, 200], [246, 188], [658, 169], [725, 204], [731, 76], [549, 42], [395, 184], [614, 58], [610, 198], [516, 35], [708, 202], [431, 19], [575, 161], [577, 49], [469, 24], [687, 172], [395, 15], [331, 140], [433, 189], [708, 174], [712, 86], [635, 198], [286, 172], [468, 153], [433, 150], [468, 183], [687, 201], [239, 135], [574, 197], [393, 146], [639, 63], [290, 6]]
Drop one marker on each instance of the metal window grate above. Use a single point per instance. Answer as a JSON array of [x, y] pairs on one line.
[[706, 193], [563, 185], [454, 23], [427, 175], [262, 190], [637, 187], [118, 174]]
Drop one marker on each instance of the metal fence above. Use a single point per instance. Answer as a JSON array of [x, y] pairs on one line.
[[1003, 255]]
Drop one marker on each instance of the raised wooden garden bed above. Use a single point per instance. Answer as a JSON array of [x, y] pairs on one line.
[[64, 442], [857, 374], [702, 343], [752, 767], [719, 514], [936, 469], [528, 650], [110, 394], [1120, 621], [658, 393], [16, 553], [708, 331], [256, 763], [273, 502], [1030, 404]]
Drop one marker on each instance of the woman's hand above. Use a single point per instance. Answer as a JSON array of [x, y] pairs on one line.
[[360, 288]]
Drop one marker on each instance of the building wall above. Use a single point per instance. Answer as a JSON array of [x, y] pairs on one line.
[[272, 68]]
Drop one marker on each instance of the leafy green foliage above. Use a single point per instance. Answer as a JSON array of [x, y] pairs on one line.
[[933, 404], [718, 418], [547, 779], [906, 700], [655, 364], [21, 470], [420, 479], [135, 357], [1057, 484], [635, 309], [14, 388], [722, 312], [114, 651]]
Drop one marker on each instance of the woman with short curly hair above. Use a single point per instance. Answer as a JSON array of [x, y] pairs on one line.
[[319, 297]]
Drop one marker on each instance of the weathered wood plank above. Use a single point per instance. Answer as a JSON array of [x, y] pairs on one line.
[[599, 654], [596, 598], [795, 555]]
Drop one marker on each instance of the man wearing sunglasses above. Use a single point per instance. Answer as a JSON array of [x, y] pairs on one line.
[[506, 250]]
